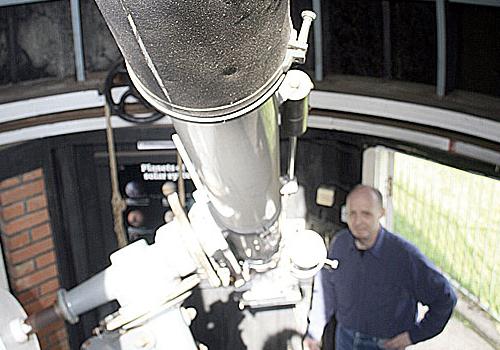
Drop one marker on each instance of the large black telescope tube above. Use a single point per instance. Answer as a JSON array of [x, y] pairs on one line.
[[214, 66], [198, 59]]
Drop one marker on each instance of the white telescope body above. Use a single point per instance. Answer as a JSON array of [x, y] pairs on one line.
[[218, 69], [214, 68]]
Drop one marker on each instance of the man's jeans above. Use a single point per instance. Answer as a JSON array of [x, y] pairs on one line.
[[346, 339]]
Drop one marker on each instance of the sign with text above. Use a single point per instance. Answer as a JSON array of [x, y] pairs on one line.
[[166, 171]]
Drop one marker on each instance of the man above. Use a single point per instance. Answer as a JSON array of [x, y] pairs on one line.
[[373, 293]]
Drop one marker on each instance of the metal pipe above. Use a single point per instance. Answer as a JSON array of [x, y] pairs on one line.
[[42, 319], [71, 304], [441, 47], [4, 282], [318, 42], [77, 40], [12, 45], [386, 18], [291, 159], [494, 3], [18, 2]]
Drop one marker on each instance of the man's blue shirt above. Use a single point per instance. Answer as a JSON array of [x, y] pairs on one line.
[[376, 291]]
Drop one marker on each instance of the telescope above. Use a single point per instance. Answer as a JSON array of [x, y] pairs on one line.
[[222, 71]]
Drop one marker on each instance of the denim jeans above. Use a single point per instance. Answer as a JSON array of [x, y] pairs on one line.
[[346, 339]]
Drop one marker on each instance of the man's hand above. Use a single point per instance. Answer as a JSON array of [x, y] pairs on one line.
[[311, 344], [399, 342]]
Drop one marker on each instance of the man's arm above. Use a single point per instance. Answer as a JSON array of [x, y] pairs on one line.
[[311, 344], [322, 306], [431, 288]]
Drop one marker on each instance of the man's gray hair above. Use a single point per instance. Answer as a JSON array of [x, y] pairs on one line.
[[376, 192]]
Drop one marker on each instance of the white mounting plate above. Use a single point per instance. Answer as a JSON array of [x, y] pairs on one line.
[[11, 310]]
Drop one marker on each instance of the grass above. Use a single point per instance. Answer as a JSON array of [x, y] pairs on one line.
[[454, 218]]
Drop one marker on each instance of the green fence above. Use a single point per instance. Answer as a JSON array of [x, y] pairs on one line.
[[454, 218]]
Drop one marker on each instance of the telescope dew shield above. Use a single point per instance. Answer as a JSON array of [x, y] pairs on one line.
[[201, 60]]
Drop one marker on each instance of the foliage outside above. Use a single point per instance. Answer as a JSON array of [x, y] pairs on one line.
[[454, 218]]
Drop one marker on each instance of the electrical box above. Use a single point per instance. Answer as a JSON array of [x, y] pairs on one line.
[[325, 196]]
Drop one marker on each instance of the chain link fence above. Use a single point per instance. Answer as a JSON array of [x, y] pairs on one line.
[[454, 218]]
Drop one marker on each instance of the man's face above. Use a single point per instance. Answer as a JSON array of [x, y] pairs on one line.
[[364, 212]]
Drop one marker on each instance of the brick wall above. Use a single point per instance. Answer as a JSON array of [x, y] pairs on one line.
[[28, 246]]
